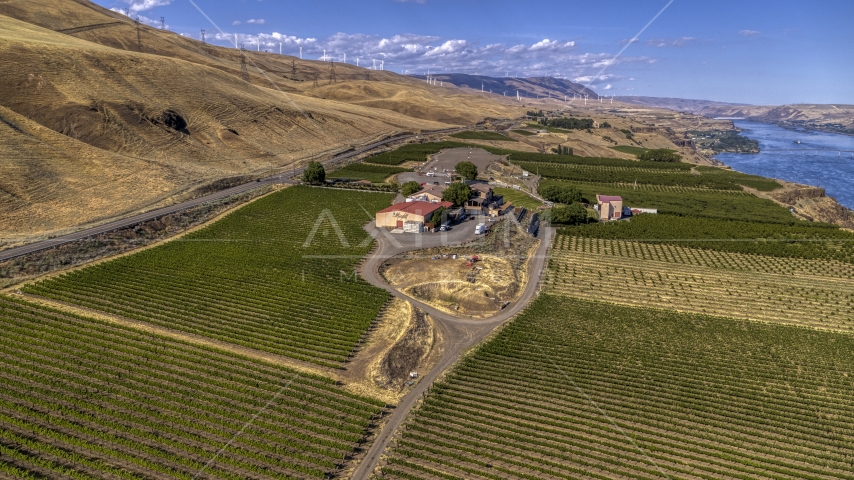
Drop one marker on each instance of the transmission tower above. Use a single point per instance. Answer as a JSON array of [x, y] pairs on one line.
[[162, 23], [293, 67], [138, 35], [203, 37], [332, 78], [244, 72], [315, 78]]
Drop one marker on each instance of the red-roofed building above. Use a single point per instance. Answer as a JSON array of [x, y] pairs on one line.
[[610, 207], [396, 215]]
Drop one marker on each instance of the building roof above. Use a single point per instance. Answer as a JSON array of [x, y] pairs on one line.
[[481, 187], [608, 198], [432, 189], [417, 208]]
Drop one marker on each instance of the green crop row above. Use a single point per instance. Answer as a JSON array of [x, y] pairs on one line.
[[364, 171], [276, 275], [413, 152], [797, 239], [87, 399], [581, 389]]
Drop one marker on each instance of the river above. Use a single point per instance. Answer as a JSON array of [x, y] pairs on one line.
[[821, 159]]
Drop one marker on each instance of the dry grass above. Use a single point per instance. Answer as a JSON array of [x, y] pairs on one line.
[[94, 112]]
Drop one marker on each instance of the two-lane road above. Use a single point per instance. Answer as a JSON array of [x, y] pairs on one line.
[[144, 217]]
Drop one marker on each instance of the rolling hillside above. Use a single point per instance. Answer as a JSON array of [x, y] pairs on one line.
[[118, 130]]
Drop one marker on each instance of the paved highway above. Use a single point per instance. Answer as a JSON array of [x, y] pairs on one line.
[[144, 217]]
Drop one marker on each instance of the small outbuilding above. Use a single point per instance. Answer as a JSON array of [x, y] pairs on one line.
[[609, 207]]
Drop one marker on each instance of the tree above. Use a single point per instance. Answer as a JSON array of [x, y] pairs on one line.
[[436, 218], [410, 187], [467, 170], [660, 155], [565, 194], [457, 193], [572, 215], [314, 174], [562, 150]]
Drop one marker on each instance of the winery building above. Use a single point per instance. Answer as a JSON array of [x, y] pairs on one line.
[[396, 215]]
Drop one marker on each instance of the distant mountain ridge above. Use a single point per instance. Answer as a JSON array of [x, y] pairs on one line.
[[530, 87], [830, 118]]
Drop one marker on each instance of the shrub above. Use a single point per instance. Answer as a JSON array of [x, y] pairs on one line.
[[457, 193], [660, 155], [467, 170], [410, 188], [560, 193], [314, 174]]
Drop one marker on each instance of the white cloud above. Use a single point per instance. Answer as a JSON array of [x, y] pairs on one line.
[[136, 6], [675, 42], [608, 87], [748, 33], [419, 53], [236, 22], [142, 19], [259, 21]]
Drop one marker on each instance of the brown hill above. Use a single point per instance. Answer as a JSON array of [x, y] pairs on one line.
[[130, 129]]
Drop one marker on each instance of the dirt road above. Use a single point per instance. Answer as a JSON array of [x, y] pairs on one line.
[[461, 334]]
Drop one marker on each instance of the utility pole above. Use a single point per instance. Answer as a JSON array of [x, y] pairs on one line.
[[138, 35], [203, 37], [244, 72]]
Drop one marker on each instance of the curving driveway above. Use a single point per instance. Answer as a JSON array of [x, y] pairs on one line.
[[460, 334]]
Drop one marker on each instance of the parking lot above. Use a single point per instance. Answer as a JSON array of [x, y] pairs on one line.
[[442, 165]]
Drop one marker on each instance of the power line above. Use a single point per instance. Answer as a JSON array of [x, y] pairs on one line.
[[138, 35], [244, 72]]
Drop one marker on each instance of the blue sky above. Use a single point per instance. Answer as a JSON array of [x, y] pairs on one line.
[[760, 52]]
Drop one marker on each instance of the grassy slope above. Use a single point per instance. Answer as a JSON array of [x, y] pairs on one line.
[[519, 199]]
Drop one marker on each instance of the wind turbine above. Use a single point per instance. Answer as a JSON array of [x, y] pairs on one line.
[[280, 48], [300, 53], [382, 64], [357, 61], [374, 67]]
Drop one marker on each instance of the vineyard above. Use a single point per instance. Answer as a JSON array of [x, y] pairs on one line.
[[578, 389], [83, 399], [363, 171], [276, 275], [686, 201], [813, 293], [796, 239], [482, 135], [641, 174], [414, 152]]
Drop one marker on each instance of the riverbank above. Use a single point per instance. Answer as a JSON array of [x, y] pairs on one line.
[[816, 168]]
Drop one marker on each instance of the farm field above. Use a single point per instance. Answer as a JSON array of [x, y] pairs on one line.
[[642, 173], [685, 201], [84, 399], [580, 389], [482, 135], [276, 275], [416, 152], [519, 199], [363, 171], [524, 133], [814, 293]]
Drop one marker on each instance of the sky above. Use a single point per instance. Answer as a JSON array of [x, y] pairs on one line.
[[757, 52]]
